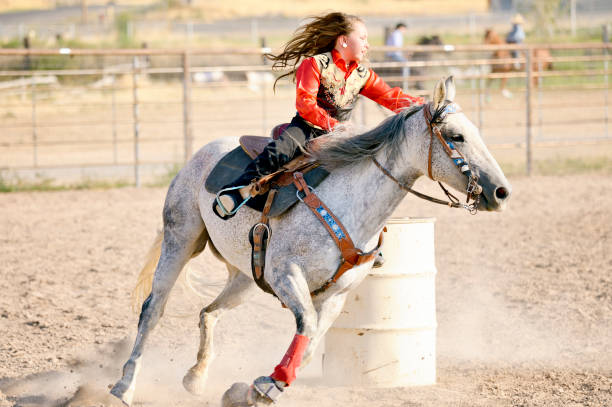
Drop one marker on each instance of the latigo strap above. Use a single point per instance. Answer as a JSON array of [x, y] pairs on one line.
[[351, 256]]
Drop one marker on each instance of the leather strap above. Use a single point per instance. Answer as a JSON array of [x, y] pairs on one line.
[[351, 256], [260, 234], [283, 176], [433, 129], [473, 189], [427, 114]]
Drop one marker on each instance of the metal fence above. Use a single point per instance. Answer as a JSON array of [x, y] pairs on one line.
[[136, 114]]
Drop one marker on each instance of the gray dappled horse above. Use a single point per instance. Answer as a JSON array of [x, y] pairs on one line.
[[301, 255]]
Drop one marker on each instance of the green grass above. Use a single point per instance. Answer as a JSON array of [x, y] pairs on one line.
[[12, 183], [165, 179], [15, 184]]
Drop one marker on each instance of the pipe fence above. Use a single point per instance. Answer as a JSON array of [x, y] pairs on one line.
[[131, 113]]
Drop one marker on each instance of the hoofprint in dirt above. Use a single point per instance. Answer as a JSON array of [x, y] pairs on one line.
[[523, 304]]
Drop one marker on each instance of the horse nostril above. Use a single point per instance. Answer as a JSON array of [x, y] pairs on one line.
[[501, 193]]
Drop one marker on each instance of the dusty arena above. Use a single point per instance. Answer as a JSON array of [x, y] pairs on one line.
[[523, 304]]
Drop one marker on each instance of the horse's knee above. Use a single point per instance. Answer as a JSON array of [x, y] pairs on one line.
[[144, 310], [152, 308], [206, 314], [306, 324]]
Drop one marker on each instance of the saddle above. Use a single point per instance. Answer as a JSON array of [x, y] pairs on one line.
[[274, 194], [232, 165]]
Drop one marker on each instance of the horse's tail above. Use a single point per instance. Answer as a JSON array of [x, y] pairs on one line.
[[145, 278]]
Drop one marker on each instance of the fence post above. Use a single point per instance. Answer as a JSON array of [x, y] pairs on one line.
[[481, 96], [529, 104], [187, 131], [114, 117], [606, 40], [34, 134], [573, 17], [135, 113], [539, 79], [264, 88]]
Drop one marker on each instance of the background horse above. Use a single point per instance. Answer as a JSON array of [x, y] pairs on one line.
[[540, 61], [302, 256]]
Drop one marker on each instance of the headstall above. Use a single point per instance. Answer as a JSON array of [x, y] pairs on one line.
[[473, 189]]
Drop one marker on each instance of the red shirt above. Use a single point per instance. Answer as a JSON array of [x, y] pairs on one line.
[[308, 79]]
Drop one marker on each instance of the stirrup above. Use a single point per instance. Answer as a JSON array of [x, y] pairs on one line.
[[225, 213]]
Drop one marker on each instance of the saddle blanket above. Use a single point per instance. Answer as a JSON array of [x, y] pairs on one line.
[[232, 165]]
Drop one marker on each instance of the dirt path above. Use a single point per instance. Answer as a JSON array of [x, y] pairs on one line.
[[524, 304]]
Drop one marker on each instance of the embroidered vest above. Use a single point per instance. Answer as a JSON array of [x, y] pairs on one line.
[[338, 95]]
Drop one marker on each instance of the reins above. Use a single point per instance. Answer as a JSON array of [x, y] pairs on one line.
[[473, 190], [453, 202]]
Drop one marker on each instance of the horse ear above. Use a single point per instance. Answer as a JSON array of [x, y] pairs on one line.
[[450, 88], [439, 95]]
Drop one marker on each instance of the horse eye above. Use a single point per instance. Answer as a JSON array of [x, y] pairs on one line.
[[456, 138]]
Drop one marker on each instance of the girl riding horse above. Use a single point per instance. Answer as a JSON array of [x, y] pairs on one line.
[[329, 78]]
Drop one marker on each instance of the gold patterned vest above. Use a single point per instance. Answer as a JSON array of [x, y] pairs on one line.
[[338, 95]]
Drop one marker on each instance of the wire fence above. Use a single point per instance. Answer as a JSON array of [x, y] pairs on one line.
[[137, 114]]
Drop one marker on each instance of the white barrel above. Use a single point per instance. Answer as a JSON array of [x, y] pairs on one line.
[[386, 334]]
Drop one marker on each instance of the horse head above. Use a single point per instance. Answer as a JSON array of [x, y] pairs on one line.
[[457, 155], [491, 37]]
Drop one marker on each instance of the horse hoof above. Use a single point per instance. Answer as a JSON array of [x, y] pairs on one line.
[[267, 390], [123, 392], [194, 383], [239, 395]]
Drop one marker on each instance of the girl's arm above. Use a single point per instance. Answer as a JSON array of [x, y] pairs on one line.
[[391, 98]]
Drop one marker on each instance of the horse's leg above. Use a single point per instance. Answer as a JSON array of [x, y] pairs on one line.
[[184, 233], [236, 289], [327, 310], [292, 290]]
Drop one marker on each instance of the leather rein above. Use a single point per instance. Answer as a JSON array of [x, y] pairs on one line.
[[473, 189]]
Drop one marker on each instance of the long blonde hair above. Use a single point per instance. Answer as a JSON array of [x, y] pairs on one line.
[[316, 37]]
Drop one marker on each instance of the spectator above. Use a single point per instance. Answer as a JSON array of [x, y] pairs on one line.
[[516, 35], [396, 39]]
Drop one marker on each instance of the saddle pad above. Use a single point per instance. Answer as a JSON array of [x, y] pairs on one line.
[[232, 165]]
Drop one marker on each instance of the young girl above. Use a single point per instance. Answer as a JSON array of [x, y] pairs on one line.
[[329, 78]]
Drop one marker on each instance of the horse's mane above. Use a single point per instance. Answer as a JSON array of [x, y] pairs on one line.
[[336, 150]]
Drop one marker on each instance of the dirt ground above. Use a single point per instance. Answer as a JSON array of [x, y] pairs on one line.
[[524, 304]]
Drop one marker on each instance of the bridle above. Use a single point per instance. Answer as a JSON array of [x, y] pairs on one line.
[[473, 189]]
